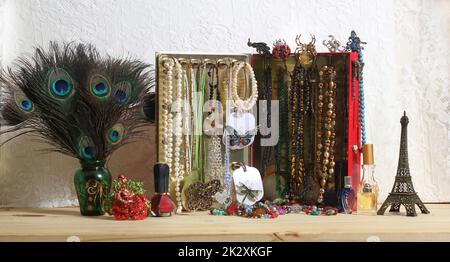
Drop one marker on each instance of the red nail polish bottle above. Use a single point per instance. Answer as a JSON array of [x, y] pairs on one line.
[[162, 204]]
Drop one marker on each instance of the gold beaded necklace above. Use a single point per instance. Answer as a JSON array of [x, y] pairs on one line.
[[297, 129], [326, 123]]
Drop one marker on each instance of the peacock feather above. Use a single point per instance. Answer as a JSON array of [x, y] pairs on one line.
[[81, 103]]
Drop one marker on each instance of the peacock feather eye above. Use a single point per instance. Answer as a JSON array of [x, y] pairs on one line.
[[122, 92], [100, 86], [115, 134], [24, 103], [60, 83], [87, 150]]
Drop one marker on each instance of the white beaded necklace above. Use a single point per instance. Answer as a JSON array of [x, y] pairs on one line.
[[178, 128], [167, 117], [243, 105]]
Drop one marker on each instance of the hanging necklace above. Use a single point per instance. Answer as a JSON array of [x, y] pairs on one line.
[[178, 129], [326, 141], [243, 105], [283, 51], [267, 152], [354, 44], [297, 129], [361, 99], [228, 179], [214, 144], [187, 122], [167, 117], [301, 112], [283, 146], [198, 117]]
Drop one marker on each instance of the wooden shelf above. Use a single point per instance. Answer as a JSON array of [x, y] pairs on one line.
[[58, 224]]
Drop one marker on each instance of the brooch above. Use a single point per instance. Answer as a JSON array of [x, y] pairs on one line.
[[201, 195], [333, 45], [306, 53]]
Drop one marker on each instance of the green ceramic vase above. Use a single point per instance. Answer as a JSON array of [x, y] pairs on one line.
[[92, 183]]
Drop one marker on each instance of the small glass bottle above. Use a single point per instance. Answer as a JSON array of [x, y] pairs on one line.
[[347, 196], [368, 187]]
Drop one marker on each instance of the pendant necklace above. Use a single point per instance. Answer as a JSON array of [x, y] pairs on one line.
[[214, 163]]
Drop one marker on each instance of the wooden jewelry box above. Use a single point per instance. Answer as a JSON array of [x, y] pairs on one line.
[[347, 128]]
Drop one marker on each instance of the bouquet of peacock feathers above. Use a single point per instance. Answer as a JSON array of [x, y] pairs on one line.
[[83, 105]]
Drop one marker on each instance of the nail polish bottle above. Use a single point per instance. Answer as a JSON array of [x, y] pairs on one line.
[[162, 204]]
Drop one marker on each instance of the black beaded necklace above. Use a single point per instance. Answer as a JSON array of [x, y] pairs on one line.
[[267, 152]]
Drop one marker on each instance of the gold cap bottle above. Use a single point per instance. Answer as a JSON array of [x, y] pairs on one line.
[[367, 154]]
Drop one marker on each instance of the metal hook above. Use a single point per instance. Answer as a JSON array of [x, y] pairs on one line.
[[165, 59], [195, 62], [209, 61], [184, 61], [222, 63]]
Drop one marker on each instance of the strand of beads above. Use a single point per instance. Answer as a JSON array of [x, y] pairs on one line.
[[293, 128], [187, 122], [300, 133], [214, 143], [178, 128], [267, 152], [167, 116], [319, 135], [282, 161], [227, 179], [361, 101], [243, 105], [328, 148]]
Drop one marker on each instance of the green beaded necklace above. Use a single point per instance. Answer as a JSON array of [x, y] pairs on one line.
[[198, 124], [283, 147]]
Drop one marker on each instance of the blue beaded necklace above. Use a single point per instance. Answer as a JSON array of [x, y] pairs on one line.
[[361, 101], [354, 45]]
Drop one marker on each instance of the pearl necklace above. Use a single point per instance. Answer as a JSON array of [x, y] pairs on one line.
[[243, 105], [178, 128], [167, 117]]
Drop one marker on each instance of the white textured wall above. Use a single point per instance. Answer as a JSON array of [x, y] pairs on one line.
[[406, 66]]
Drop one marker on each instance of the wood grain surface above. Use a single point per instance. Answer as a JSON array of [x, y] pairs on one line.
[[61, 223]]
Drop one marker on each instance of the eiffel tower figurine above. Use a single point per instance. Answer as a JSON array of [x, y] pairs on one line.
[[403, 190]]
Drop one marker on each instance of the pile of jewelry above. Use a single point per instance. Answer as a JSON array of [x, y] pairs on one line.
[[268, 209], [264, 210]]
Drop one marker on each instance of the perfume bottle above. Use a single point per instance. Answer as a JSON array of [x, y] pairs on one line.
[[347, 196], [162, 204], [368, 187]]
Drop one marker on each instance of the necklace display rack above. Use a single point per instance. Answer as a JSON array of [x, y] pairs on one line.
[[186, 81], [346, 130]]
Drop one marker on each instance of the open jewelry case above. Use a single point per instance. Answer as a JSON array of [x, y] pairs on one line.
[[202, 155], [193, 157], [275, 163]]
